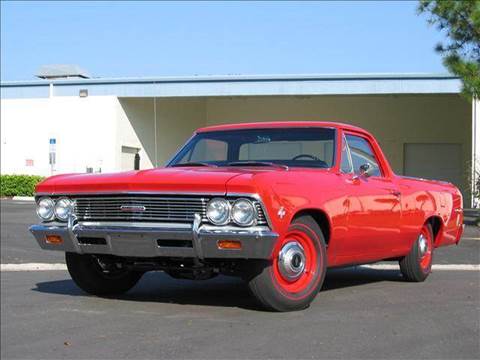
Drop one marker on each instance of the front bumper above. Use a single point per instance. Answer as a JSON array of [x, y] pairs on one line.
[[152, 240]]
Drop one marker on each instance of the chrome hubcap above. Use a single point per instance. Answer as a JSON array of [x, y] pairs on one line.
[[291, 261], [422, 245]]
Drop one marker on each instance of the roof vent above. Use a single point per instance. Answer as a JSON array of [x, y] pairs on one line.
[[61, 72]]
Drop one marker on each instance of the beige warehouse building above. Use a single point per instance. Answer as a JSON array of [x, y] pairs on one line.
[[425, 127]]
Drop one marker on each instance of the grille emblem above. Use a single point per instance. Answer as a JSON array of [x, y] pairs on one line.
[[132, 208]]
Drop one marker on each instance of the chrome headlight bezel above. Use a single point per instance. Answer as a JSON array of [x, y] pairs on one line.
[[224, 204], [50, 205], [63, 208], [243, 204]]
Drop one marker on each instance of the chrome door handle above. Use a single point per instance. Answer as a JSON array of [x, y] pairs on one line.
[[395, 192]]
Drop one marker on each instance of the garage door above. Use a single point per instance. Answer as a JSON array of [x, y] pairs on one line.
[[128, 157], [434, 161]]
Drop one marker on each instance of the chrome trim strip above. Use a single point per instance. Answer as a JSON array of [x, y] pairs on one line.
[[233, 229], [122, 197], [196, 228], [245, 194], [136, 225], [197, 246], [219, 193]]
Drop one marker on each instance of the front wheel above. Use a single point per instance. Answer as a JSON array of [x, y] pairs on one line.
[[294, 276], [417, 265], [97, 276]]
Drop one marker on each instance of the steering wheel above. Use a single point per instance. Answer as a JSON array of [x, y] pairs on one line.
[[306, 156]]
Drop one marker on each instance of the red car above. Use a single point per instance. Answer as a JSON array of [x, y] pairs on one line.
[[275, 203]]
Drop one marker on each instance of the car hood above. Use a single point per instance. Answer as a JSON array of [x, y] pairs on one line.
[[166, 180]]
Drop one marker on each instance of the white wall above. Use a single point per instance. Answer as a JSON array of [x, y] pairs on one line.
[[84, 129], [177, 119], [91, 131]]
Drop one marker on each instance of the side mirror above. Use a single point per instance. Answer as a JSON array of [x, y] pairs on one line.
[[365, 170]]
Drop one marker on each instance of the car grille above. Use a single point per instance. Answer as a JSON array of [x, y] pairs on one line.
[[125, 208], [146, 208]]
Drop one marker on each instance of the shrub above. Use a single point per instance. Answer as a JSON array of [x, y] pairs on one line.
[[18, 185]]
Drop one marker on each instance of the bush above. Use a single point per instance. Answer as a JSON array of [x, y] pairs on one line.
[[18, 185]]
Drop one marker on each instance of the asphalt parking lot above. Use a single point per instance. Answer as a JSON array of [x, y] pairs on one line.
[[360, 313]]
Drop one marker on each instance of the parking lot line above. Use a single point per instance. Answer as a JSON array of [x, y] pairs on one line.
[[454, 267], [62, 267], [33, 267]]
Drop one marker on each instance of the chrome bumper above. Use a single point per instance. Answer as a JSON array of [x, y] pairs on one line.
[[142, 239]]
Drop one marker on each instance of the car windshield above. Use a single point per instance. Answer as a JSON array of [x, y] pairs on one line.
[[293, 147]]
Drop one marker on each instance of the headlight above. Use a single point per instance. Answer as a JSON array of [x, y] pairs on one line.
[[63, 208], [45, 209], [243, 212], [218, 211]]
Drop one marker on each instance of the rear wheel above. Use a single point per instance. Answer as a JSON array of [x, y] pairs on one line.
[[417, 265], [99, 277], [292, 279]]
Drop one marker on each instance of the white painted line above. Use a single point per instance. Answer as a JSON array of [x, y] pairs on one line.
[[469, 238], [62, 267], [24, 198], [32, 267], [454, 267]]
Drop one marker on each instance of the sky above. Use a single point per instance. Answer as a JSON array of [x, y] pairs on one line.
[[142, 39]]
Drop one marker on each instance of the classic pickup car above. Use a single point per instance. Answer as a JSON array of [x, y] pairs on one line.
[[274, 203]]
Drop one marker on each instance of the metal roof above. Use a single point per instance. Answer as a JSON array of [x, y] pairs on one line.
[[58, 71], [239, 85]]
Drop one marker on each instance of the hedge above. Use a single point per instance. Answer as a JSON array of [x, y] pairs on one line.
[[18, 185]]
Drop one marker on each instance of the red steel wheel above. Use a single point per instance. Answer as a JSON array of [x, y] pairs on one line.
[[425, 249], [294, 276], [417, 265], [295, 263]]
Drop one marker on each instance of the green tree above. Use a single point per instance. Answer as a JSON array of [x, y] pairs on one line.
[[460, 21]]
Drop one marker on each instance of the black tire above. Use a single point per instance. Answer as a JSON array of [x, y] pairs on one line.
[[266, 284], [87, 273], [411, 265]]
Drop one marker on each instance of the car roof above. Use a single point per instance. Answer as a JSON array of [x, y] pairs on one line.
[[281, 124]]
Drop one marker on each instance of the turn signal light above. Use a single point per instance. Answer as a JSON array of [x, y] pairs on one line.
[[54, 239], [229, 245]]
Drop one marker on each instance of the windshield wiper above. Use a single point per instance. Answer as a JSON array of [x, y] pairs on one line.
[[257, 163], [193, 163]]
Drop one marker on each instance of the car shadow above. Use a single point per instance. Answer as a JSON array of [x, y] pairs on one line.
[[356, 276], [220, 291]]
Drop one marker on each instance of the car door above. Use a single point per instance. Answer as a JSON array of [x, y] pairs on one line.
[[374, 207]]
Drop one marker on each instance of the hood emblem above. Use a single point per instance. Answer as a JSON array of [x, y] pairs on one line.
[[281, 212], [132, 208]]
